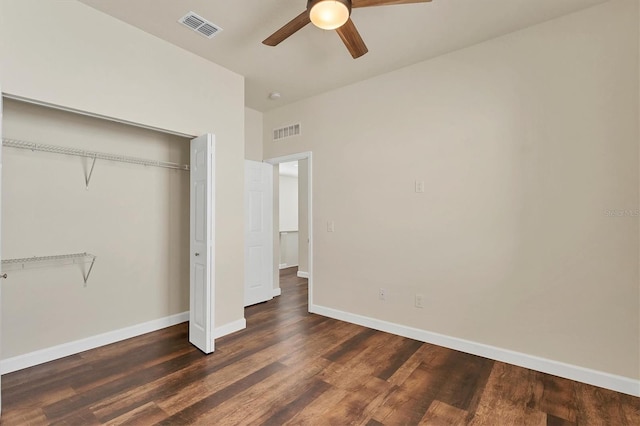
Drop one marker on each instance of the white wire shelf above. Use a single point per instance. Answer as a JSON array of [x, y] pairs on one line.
[[94, 155], [57, 260]]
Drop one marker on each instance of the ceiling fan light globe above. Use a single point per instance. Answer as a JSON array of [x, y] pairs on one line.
[[329, 14]]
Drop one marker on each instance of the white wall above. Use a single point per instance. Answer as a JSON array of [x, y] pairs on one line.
[[288, 249], [133, 218], [288, 212], [524, 143], [303, 216], [288, 200], [85, 60]]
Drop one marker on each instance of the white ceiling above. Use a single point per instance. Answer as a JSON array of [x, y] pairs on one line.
[[313, 61]]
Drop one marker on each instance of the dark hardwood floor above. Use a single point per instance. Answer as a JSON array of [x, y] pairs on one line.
[[292, 367]]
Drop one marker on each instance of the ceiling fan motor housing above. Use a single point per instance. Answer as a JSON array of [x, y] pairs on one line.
[[311, 3]]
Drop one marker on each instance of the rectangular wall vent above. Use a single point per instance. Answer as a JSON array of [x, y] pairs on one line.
[[286, 132], [200, 25]]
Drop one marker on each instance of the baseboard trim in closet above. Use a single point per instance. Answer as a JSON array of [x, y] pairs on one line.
[[60, 351]]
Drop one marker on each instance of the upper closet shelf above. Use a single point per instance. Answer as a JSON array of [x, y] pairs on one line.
[[94, 155]]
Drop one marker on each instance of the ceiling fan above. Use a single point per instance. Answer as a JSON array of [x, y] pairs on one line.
[[333, 15]]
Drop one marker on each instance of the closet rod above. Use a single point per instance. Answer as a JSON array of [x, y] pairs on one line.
[[13, 143]]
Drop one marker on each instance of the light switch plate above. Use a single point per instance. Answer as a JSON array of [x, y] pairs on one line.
[[330, 226]]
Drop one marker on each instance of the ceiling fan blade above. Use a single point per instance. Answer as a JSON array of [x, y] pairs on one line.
[[351, 38], [288, 29], [369, 3]]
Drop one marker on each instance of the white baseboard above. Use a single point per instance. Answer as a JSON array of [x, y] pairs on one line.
[[302, 274], [276, 292], [229, 328], [60, 351], [286, 265], [585, 375]]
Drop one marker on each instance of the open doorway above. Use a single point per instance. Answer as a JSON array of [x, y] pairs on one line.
[[288, 207], [293, 236]]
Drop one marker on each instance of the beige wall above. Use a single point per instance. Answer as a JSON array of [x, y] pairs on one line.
[[252, 134], [524, 143], [85, 60], [133, 218], [303, 216]]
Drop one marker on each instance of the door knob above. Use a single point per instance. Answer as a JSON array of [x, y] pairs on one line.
[[197, 254], [4, 276]]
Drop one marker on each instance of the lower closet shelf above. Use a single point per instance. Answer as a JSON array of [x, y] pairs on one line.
[[40, 261]]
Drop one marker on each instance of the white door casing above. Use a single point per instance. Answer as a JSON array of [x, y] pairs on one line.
[[258, 226], [0, 211], [201, 254], [309, 157]]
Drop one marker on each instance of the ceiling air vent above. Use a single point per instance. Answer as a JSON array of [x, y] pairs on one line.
[[286, 132], [200, 25]]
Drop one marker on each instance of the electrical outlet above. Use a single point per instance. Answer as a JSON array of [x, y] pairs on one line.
[[419, 301], [331, 226], [382, 294], [419, 186]]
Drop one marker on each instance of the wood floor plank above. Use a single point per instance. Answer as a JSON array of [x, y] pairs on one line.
[[358, 405], [319, 407], [265, 397], [558, 398], [82, 417], [409, 403], [78, 402], [443, 414], [146, 414], [26, 416], [37, 400], [411, 364], [600, 405], [399, 356], [17, 381], [512, 395], [231, 369], [293, 408], [296, 368], [467, 377], [350, 347], [190, 414], [630, 407], [347, 372], [336, 333], [557, 421], [56, 382]]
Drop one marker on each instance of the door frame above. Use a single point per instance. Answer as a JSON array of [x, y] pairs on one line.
[[308, 155], [1, 134]]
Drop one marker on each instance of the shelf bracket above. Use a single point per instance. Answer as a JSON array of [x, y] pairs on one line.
[[86, 277], [87, 178]]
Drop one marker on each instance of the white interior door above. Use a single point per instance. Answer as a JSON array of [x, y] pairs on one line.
[[258, 226], [201, 247]]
